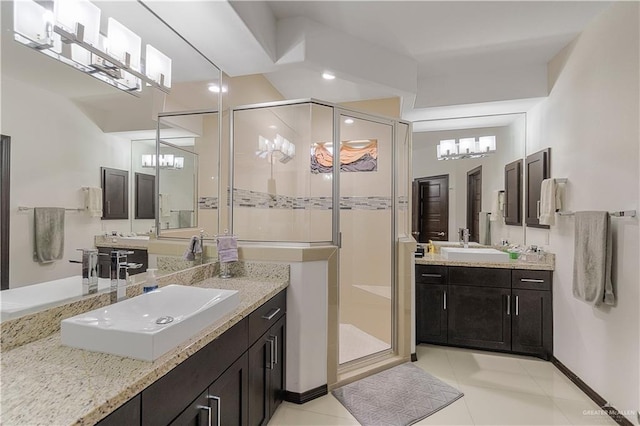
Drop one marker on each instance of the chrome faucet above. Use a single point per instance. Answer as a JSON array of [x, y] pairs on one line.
[[463, 234], [118, 289], [89, 271]]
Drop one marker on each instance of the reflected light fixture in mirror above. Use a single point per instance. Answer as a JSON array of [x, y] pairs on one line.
[[114, 58], [281, 146], [166, 161], [449, 149]]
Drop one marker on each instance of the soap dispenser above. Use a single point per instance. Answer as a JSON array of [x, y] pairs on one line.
[[150, 283]]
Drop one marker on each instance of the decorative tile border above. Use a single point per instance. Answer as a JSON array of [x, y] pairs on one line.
[[263, 200], [208, 203]]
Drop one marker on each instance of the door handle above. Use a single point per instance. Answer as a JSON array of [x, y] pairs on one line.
[[270, 363], [271, 314], [109, 207], [517, 306], [218, 401], [531, 280], [432, 275], [508, 304], [445, 300], [538, 209], [275, 350], [440, 234]]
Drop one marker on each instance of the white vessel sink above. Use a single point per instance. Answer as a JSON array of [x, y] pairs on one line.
[[147, 326], [474, 254]]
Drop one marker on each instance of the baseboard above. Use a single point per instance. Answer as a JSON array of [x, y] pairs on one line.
[[602, 403], [301, 398], [414, 357]]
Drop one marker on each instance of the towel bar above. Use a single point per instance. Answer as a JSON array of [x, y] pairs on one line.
[[24, 209], [619, 213]]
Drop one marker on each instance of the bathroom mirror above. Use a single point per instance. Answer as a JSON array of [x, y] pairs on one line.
[[65, 125], [457, 193]]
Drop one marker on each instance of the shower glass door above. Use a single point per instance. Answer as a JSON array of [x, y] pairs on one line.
[[366, 234]]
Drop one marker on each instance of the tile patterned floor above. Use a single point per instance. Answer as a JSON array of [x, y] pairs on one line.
[[500, 389]]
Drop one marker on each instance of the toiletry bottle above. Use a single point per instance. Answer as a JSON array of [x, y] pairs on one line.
[[432, 248], [150, 283]]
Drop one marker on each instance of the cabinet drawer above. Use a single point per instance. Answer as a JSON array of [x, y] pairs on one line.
[[431, 274], [126, 415], [531, 280], [481, 277], [265, 316]]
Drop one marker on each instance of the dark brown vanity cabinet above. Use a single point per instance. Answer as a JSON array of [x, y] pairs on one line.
[[513, 193], [431, 296], [115, 193], [145, 200], [538, 168], [224, 383], [486, 308]]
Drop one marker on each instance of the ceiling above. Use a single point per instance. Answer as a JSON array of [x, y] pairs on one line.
[[440, 57]]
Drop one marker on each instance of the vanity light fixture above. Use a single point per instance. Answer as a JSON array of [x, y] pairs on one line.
[[216, 88], [280, 146], [166, 161], [348, 121], [328, 75], [114, 58], [449, 149]]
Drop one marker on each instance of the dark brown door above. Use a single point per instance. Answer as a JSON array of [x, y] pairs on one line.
[[513, 193], [259, 380], [229, 395], [115, 193], [532, 322], [277, 334], [474, 203], [433, 213], [5, 174], [196, 414], [538, 168], [145, 206]]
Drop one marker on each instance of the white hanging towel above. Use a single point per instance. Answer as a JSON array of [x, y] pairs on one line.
[[550, 201], [496, 207], [93, 201]]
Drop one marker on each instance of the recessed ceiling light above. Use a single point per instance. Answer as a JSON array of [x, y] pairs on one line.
[[348, 121], [328, 76]]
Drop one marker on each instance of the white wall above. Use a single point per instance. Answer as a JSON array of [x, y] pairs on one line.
[[591, 122], [55, 151]]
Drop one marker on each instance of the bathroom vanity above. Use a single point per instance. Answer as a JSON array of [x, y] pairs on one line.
[[232, 372], [495, 306]]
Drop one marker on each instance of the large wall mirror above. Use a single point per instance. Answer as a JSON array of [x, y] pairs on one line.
[[466, 188], [65, 125]]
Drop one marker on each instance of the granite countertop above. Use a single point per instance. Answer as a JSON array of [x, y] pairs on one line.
[[141, 243], [45, 382], [436, 259]]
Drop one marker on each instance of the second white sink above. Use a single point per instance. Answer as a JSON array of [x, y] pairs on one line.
[[147, 326], [474, 254]]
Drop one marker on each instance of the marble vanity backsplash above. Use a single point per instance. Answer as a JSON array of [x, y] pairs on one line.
[[29, 328]]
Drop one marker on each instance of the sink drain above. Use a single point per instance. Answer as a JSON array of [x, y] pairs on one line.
[[164, 320]]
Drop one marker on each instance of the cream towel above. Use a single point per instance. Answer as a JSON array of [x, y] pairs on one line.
[[592, 258], [485, 228], [165, 205], [497, 206], [48, 233], [93, 201], [550, 201]]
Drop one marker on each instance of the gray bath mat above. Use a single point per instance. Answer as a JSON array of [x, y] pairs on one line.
[[402, 395]]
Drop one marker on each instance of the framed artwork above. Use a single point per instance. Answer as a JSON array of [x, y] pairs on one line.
[[355, 156]]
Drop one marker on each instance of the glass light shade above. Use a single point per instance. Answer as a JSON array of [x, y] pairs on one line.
[[33, 21], [448, 147], [166, 160], [467, 146], [278, 141], [68, 13], [178, 162], [156, 64], [148, 160], [486, 143], [122, 40]]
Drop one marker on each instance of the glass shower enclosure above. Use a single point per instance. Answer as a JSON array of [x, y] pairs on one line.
[[313, 173]]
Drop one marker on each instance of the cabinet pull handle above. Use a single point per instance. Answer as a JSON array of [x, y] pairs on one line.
[[538, 209], [272, 313], [270, 363], [275, 350], [218, 401], [432, 275], [531, 280], [445, 300], [108, 207], [203, 407], [517, 306], [508, 304]]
